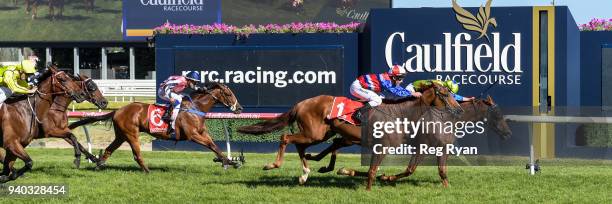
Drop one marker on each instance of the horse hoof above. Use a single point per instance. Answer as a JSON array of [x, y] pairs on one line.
[[269, 167], [77, 163], [324, 170], [343, 171], [4, 179], [237, 165], [302, 180], [384, 178]]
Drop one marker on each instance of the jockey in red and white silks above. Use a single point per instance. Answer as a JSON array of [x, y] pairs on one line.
[[372, 88], [171, 91]]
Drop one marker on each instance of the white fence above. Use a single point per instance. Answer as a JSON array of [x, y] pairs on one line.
[[127, 88]]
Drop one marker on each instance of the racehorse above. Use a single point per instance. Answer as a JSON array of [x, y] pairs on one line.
[[57, 114], [310, 114], [31, 6], [129, 120], [24, 120], [56, 4], [478, 110]]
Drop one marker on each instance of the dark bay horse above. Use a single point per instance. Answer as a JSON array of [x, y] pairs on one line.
[[132, 119], [26, 119], [478, 110], [314, 127], [57, 114]]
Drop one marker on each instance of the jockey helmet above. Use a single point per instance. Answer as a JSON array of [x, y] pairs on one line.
[[452, 85], [397, 71], [28, 66], [193, 75]]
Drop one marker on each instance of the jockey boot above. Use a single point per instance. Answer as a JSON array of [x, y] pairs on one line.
[[167, 115], [362, 112]]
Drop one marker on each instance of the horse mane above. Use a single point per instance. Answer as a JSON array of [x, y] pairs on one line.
[[44, 75], [213, 85]]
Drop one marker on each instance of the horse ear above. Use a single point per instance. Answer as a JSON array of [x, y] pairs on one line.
[[490, 100]]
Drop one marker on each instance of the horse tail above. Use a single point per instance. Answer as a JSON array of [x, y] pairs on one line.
[[270, 125], [88, 120]]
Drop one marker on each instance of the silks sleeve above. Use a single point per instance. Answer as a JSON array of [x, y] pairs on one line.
[[11, 82], [458, 97], [395, 90]]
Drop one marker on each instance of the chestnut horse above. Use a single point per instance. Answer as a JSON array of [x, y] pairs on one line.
[[132, 119], [478, 110], [57, 114], [26, 119], [310, 114]]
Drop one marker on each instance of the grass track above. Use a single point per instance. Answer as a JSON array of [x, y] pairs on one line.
[[193, 177]]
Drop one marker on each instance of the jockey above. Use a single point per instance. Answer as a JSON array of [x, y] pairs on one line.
[[13, 79], [171, 91], [372, 88], [418, 85]]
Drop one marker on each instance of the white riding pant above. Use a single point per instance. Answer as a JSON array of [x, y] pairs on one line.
[[366, 95], [5, 93], [165, 93]]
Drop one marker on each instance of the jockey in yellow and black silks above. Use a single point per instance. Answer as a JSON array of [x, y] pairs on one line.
[[13, 79]]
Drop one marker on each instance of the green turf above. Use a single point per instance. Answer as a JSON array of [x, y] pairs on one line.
[[191, 177], [104, 24]]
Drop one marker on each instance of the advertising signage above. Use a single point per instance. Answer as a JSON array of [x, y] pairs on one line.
[[141, 16], [490, 48]]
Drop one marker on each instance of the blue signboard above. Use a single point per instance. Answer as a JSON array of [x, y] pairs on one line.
[[141, 16], [440, 43]]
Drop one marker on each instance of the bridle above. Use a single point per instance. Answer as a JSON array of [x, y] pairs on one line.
[[444, 98], [491, 109], [55, 82], [232, 107]]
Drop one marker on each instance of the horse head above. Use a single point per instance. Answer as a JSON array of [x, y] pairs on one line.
[[60, 83], [220, 93], [494, 117], [92, 91], [439, 96]]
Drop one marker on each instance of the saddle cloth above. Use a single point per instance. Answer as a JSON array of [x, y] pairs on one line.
[[343, 109]]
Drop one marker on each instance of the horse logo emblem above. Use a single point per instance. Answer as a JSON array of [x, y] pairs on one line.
[[479, 23]]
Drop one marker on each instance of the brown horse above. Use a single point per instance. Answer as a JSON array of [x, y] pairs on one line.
[[132, 119], [56, 4], [59, 118], [31, 7], [310, 114], [26, 119], [478, 110]]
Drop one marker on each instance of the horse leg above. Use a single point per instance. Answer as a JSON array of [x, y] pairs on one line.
[[205, 140], [284, 141], [414, 162], [337, 144], [16, 149], [374, 163], [119, 139], [331, 165], [52, 9], [301, 148], [442, 169], [77, 151], [1, 157], [7, 164], [34, 9], [88, 155], [132, 139]]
